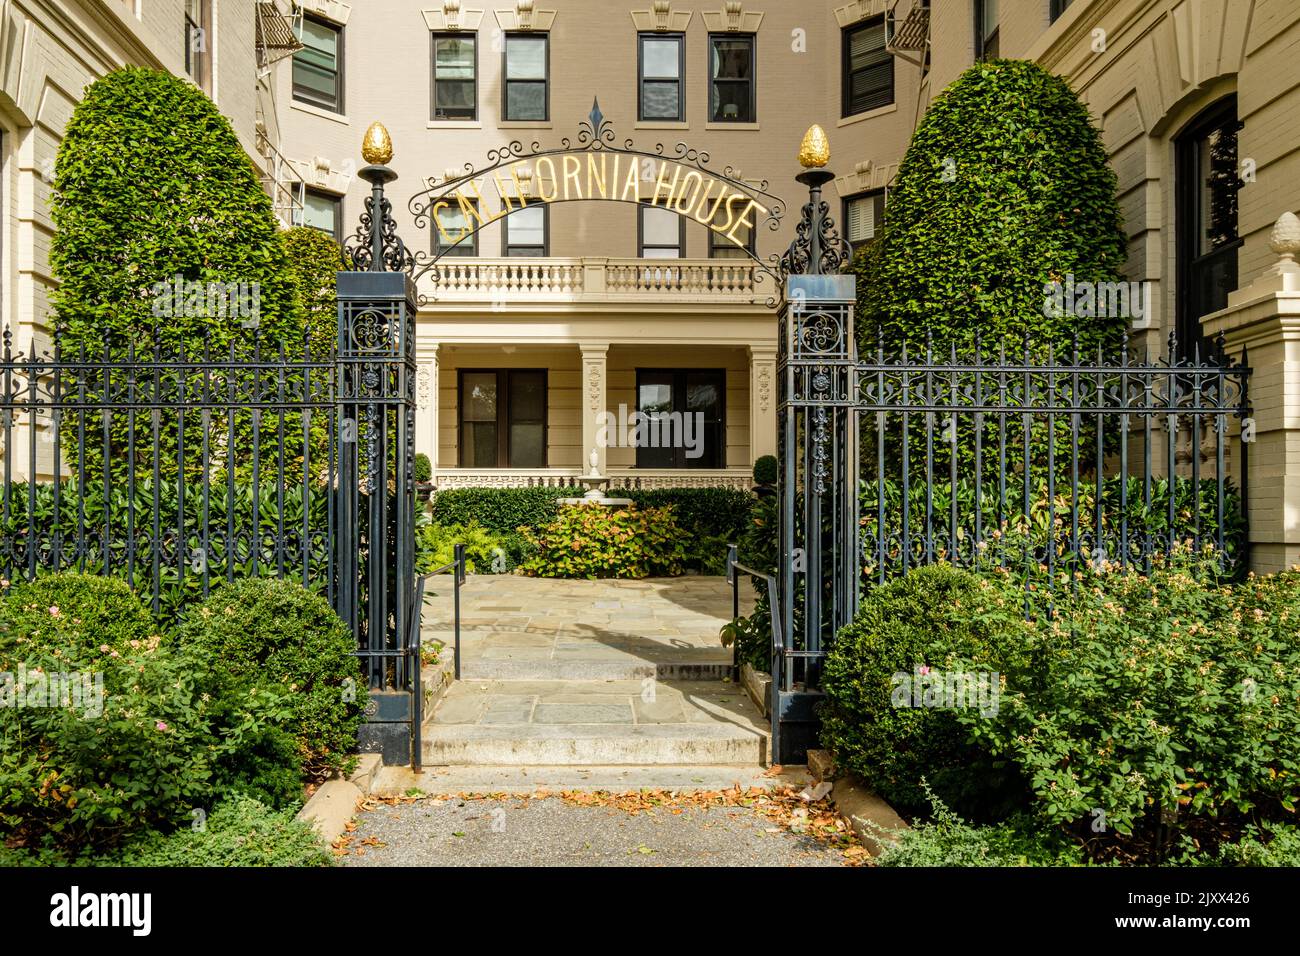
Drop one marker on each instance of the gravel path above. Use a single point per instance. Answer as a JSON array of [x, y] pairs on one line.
[[551, 832]]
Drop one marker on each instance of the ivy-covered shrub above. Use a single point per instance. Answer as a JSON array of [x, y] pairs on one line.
[[886, 717], [314, 260], [151, 183], [1156, 699], [1004, 187], [587, 541], [240, 831], [105, 734], [275, 635]]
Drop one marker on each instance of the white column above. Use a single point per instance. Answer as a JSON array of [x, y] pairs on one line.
[[594, 401], [426, 400], [762, 401]]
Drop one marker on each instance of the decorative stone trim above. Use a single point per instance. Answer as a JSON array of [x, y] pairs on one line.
[[733, 18], [866, 176], [450, 18], [329, 9], [851, 13], [661, 18], [525, 18], [319, 173]]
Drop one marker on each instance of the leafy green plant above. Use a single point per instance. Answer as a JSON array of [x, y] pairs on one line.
[[314, 259], [485, 552], [936, 619], [766, 470], [423, 468], [500, 510], [263, 634], [1005, 187], [1158, 699], [104, 733], [588, 541]]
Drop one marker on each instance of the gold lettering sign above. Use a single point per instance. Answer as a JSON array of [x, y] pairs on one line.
[[612, 176]]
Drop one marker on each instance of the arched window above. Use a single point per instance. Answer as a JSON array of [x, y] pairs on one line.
[[1206, 181]]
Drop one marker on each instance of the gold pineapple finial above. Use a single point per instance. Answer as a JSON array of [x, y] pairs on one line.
[[377, 146], [815, 150]]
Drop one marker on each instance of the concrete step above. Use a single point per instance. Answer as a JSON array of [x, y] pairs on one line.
[[595, 723], [627, 667], [441, 781]]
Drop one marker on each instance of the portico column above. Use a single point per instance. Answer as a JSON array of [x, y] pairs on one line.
[[426, 400], [762, 401], [594, 360]]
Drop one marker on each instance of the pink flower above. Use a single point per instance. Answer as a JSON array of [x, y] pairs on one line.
[[103, 648], [923, 670], [54, 610], [160, 726]]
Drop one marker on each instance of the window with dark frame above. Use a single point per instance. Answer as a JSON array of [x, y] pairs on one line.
[[323, 211], [1058, 7], [731, 78], [527, 77], [720, 247], [661, 94], [502, 418], [868, 74], [1206, 184], [863, 217], [460, 239], [679, 392], [526, 232], [318, 66], [455, 76], [661, 233], [986, 29]]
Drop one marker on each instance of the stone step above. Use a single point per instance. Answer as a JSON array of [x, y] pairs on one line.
[[595, 723], [440, 781], [629, 667]]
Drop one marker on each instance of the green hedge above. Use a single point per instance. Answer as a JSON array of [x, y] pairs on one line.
[[594, 542]]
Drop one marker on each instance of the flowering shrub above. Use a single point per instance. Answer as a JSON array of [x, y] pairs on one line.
[[1156, 699], [587, 541], [102, 734]]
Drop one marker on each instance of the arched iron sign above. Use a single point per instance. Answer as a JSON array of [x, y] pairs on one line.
[[593, 165]]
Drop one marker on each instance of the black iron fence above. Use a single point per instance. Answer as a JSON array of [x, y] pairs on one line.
[[1022, 459]]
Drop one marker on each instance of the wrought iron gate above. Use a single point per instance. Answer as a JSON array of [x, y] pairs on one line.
[[1019, 459]]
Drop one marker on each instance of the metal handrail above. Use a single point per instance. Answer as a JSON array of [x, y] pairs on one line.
[[779, 650], [457, 565]]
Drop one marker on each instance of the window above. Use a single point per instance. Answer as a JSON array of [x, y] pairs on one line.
[[720, 247], [1206, 184], [661, 233], [455, 76], [526, 71], [318, 66], [1058, 7], [662, 95], [198, 28], [502, 418], [986, 29], [731, 78], [526, 231], [863, 217], [455, 238], [670, 395], [323, 211], [868, 80]]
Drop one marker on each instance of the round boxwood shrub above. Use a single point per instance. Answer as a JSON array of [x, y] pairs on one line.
[[933, 622], [766, 469], [277, 635], [1005, 187]]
